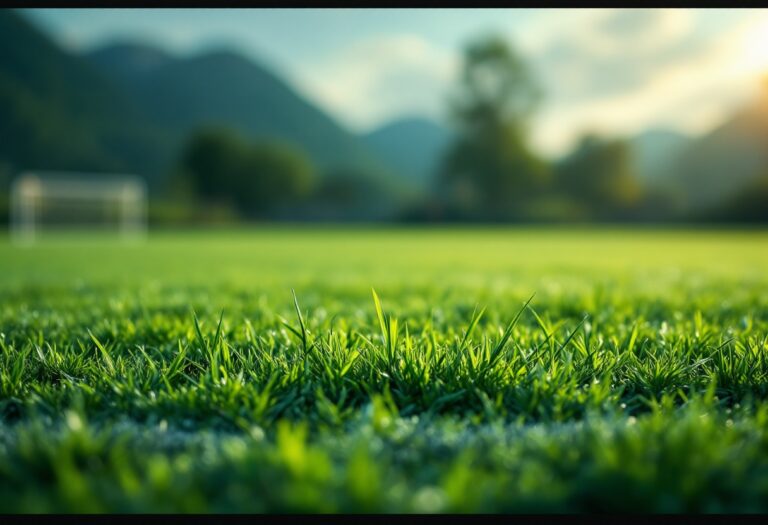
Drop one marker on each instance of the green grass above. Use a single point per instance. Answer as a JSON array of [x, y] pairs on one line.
[[492, 370]]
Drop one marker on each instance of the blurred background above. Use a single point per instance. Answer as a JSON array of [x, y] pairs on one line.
[[402, 115]]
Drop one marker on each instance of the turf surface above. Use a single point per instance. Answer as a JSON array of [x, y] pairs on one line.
[[182, 375]]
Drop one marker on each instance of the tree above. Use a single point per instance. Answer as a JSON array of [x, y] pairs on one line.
[[600, 174], [272, 174], [212, 161], [255, 178], [748, 205], [349, 194], [489, 171]]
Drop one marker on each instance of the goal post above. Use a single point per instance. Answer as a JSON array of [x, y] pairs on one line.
[[77, 200]]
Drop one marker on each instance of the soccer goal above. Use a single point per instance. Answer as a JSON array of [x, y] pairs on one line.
[[59, 201]]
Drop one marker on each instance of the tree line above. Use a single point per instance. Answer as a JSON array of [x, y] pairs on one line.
[[489, 172]]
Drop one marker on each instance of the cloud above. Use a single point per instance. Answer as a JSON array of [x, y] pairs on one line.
[[380, 77], [644, 29], [611, 71], [384, 76], [622, 71], [614, 51]]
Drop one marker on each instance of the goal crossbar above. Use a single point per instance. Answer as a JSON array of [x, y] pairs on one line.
[[32, 190]]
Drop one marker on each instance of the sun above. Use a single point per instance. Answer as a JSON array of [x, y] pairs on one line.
[[755, 46]]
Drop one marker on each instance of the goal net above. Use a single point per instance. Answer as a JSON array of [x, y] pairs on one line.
[[57, 201]]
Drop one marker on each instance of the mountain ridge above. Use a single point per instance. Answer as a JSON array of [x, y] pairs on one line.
[[412, 145], [223, 87]]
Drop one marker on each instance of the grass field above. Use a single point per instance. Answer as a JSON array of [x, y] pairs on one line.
[[178, 375]]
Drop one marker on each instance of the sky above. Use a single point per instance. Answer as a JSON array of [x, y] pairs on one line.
[[613, 71]]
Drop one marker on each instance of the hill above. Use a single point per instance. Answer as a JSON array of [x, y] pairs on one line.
[[130, 107], [224, 88], [58, 112], [654, 151], [718, 165], [412, 146]]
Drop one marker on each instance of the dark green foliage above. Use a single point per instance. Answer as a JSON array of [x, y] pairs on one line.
[[496, 86], [276, 173], [349, 195], [213, 160], [256, 178], [57, 112], [489, 171], [599, 175], [748, 205]]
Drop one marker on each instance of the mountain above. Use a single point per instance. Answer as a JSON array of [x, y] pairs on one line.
[[129, 61], [224, 88], [57, 112], [718, 165], [412, 146], [655, 151], [130, 107]]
